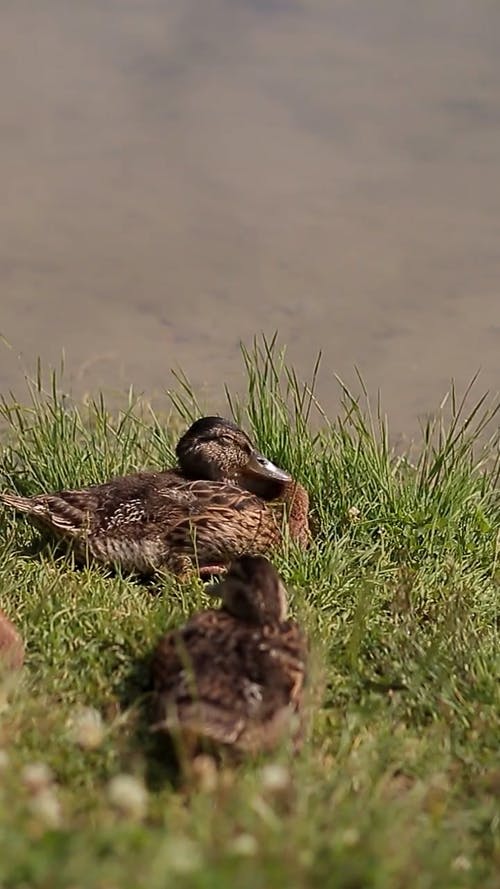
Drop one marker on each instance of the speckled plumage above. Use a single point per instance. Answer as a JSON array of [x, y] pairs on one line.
[[153, 520], [234, 677]]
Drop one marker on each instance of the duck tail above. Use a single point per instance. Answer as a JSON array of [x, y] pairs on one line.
[[50, 509], [15, 501]]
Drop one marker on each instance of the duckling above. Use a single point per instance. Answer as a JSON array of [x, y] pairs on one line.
[[200, 514], [233, 678], [11, 645]]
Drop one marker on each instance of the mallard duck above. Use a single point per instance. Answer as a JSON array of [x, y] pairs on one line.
[[11, 645], [201, 513], [233, 677]]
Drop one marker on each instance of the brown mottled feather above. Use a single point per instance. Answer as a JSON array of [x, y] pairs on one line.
[[229, 681]]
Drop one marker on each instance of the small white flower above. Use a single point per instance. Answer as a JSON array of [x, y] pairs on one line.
[[461, 863], [354, 513], [36, 777], [245, 844], [350, 836], [128, 795], [182, 854], [86, 728], [275, 778], [46, 806]]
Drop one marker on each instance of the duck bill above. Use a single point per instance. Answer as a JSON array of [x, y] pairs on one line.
[[260, 467]]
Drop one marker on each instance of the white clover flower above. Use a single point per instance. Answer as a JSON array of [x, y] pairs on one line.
[[36, 777], [128, 795], [462, 863], [350, 836], [183, 855], [46, 806], [245, 845], [86, 728], [275, 778]]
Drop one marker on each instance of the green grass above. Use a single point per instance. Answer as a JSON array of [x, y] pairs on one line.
[[399, 781]]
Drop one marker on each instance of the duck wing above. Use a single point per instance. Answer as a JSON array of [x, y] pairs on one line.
[[219, 522]]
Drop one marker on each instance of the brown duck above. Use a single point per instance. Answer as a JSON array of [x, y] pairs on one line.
[[199, 515], [233, 677], [11, 645]]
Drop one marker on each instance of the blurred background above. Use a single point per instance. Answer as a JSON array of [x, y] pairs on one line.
[[179, 175]]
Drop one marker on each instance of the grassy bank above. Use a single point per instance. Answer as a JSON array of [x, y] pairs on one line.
[[399, 782]]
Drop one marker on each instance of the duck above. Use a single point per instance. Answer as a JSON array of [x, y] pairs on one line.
[[11, 645], [231, 680], [221, 500]]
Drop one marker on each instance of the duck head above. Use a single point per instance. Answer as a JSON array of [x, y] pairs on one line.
[[217, 450], [253, 591]]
